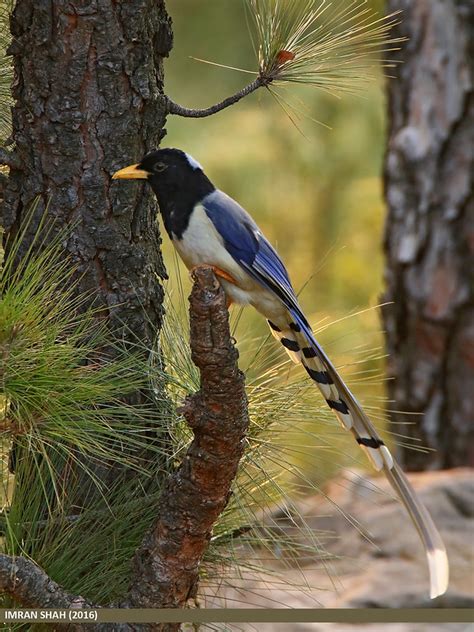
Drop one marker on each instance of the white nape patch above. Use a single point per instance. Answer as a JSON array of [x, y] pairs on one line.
[[194, 163]]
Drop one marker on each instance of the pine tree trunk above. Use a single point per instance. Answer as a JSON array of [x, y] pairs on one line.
[[88, 94], [429, 238], [88, 99]]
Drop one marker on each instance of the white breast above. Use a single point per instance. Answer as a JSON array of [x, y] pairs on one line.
[[201, 244]]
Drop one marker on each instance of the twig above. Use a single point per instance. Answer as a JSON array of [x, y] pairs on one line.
[[165, 570], [175, 108]]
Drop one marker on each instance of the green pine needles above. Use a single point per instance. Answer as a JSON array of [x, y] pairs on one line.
[[88, 467], [337, 46], [83, 458], [61, 386], [334, 45]]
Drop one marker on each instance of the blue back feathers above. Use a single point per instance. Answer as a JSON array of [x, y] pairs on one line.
[[234, 225], [247, 245]]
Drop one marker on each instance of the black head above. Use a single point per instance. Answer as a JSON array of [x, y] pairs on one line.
[[172, 174]]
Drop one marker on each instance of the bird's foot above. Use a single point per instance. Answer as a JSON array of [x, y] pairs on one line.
[[220, 274], [217, 271]]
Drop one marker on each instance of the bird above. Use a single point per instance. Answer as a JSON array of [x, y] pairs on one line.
[[209, 228]]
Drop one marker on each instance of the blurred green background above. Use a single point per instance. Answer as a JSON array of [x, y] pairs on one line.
[[314, 189]]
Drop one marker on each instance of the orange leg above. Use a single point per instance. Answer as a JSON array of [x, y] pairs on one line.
[[217, 271]]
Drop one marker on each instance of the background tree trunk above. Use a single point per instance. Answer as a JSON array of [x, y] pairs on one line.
[[88, 99], [429, 238]]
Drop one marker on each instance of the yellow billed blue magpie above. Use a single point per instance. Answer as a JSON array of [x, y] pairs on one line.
[[207, 227]]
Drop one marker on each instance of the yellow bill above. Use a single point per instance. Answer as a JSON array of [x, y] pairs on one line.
[[132, 172]]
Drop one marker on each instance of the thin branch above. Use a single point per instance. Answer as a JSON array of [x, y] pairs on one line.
[[165, 568], [179, 110]]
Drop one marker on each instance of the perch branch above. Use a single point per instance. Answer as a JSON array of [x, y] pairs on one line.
[[175, 108], [165, 568]]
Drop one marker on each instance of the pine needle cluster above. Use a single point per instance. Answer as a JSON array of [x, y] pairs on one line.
[[81, 466], [334, 45]]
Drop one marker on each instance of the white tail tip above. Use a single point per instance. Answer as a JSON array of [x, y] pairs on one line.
[[439, 572]]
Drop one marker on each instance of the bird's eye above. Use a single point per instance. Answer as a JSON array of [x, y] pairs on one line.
[[159, 166]]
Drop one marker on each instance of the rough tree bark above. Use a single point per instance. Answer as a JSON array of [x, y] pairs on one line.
[[167, 564], [88, 98], [88, 95], [429, 238]]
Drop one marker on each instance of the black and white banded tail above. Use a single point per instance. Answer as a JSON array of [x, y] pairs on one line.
[[303, 348]]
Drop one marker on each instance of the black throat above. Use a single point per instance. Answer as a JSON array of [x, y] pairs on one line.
[[178, 200]]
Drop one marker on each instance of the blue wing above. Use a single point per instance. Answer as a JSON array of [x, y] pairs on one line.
[[234, 225], [248, 246]]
